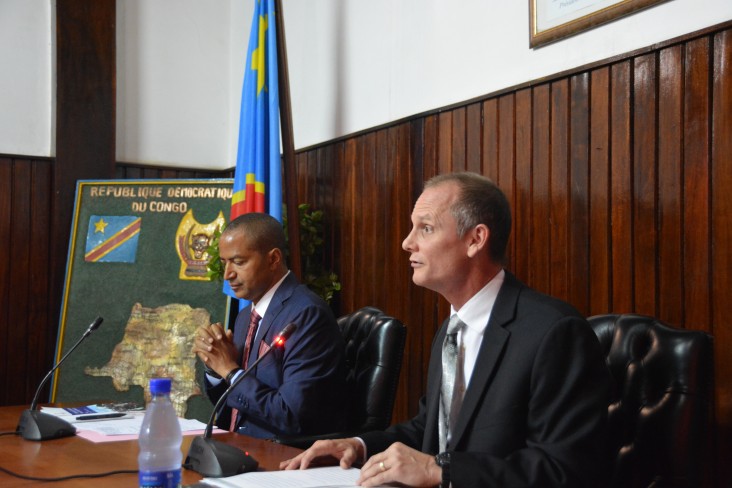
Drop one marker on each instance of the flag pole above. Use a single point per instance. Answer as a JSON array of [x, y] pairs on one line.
[[288, 145]]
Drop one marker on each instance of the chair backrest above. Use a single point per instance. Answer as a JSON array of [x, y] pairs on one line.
[[660, 402], [374, 351]]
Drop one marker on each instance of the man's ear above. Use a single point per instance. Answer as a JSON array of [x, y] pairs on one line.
[[275, 257], [477, 239]]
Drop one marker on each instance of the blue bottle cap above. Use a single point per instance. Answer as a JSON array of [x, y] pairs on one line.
[[160, 385]]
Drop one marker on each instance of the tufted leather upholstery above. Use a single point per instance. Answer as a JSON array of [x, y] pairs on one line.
[[660, 401], [374, 351]]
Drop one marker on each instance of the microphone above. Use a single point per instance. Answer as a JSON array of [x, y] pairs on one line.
[[35, 425], [215, 459]]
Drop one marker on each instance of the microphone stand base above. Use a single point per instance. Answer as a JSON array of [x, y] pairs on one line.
[[38, 426], [215, 459]]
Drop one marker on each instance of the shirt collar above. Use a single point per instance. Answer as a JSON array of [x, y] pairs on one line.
[[263, 303], [477, 311]]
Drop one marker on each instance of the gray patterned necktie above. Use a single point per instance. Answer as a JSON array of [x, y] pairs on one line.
[[451, 389]]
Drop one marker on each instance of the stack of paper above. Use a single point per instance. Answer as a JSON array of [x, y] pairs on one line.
[[331, 477], [114, 429]]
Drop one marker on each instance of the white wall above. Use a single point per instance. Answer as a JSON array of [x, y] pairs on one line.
[[353, 64], [26, 77], [177, 82]]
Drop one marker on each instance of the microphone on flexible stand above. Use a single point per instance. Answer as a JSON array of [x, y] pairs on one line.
[[213, 458], [35, 425]]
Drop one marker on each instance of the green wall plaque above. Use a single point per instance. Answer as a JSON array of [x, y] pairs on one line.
[[137, 258]]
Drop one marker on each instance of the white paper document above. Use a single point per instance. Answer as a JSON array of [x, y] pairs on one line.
[[130, 424], [330, 477]]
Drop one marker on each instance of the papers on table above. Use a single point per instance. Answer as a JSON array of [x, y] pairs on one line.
[[114, 429], [331, 477]]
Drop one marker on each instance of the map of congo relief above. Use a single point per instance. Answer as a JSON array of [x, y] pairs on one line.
[[157, 343]]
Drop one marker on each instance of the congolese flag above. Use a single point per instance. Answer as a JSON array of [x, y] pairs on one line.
[[112, 239], [258, 175]]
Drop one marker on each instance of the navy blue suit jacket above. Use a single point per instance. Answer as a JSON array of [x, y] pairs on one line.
[[534, 412], [296, 390]]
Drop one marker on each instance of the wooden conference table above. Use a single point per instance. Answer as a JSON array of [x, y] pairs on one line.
[[75, 455]]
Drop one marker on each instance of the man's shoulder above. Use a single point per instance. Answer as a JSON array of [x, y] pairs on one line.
[[536, 304], [296, 297]]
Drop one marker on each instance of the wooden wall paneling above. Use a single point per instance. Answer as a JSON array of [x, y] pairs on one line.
[[644, 185], [458, 141], [539, 257], [422, 151], [506, 165], [444, 142], [559, 197], [168, 173], [18, 382], [184, 174], [396, 262], [696, 185], [383, 180], [40, 339], [508, 106], [302, 170], [621, 189], [6, 209], [670, 181], [579, 187], [521, 206], [85, 115], [365, 216], [325, 197], [397, 219], [332, 160], [350, 229], [473, 135], [128, 172], [721, 242], [600, 238], [491, 127]]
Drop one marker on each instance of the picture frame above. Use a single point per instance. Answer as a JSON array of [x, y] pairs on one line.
[[552, 20]]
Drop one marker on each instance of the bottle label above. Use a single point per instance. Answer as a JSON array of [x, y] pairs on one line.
[[159, 479]]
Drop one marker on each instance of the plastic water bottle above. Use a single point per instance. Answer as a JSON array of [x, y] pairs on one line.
[[159, 462]]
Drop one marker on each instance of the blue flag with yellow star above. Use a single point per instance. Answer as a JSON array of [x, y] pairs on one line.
[[112, 239], [258, 174]]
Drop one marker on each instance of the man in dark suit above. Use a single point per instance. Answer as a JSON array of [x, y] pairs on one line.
[[295, 390], [521, 396]]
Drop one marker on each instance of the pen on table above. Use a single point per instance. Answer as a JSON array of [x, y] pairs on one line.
[[101, 416]]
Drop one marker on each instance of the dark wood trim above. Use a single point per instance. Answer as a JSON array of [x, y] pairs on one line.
[[288, 144], [85, 114]]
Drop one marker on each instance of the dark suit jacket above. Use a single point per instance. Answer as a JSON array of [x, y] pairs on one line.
[[535, 410], [297, 390]]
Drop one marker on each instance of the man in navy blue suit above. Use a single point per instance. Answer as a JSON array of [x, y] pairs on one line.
[[295, 390], [517, 396]]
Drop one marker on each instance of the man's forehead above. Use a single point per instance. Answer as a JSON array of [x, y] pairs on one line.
[[433, 203]]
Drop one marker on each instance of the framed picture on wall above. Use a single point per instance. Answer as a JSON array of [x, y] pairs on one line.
[[551, 20]]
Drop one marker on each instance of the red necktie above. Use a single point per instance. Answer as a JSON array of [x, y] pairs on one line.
[[254, 319]]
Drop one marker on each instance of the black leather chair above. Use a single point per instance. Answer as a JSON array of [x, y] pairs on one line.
[[660, 402], [374, 352]]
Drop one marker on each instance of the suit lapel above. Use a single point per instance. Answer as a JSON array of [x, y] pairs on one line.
[[276, 305], [430, 441], [494, 341]]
